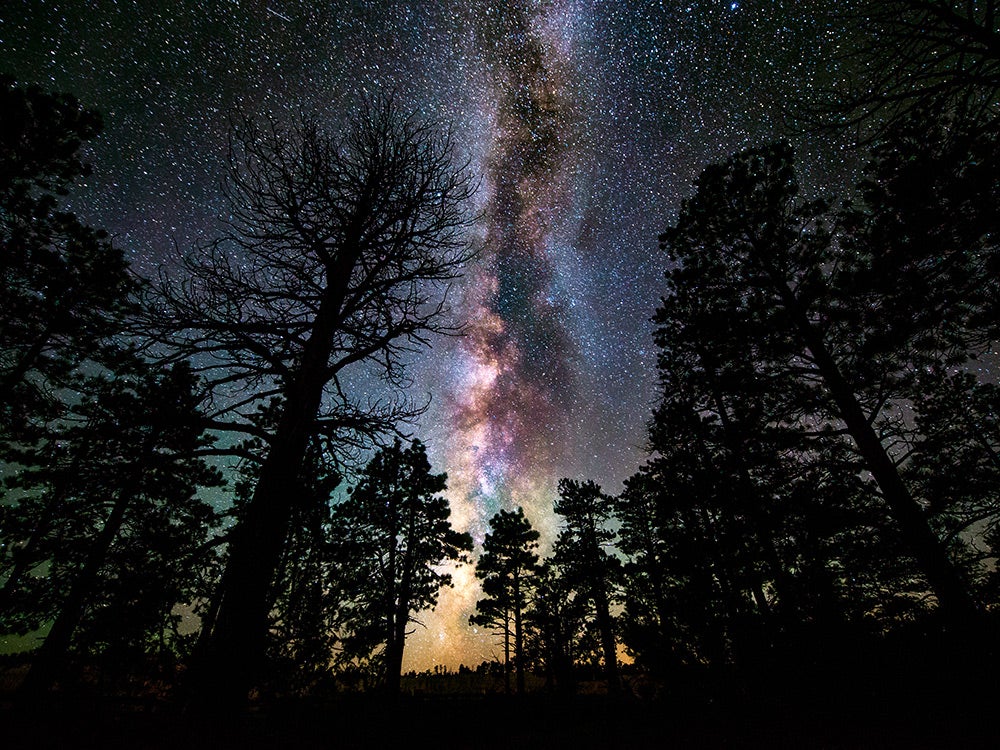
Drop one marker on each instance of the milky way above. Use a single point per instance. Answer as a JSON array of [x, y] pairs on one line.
[[586, 122], [509, 411], [510, 416]]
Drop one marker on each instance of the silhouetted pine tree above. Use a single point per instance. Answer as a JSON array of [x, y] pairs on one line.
[[745, 233], [64, 285], [507, 568], [391, 535], [582, 553]]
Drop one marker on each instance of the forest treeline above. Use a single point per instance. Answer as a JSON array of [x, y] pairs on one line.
[[824, 450]]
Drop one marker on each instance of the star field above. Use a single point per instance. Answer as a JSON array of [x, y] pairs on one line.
[[586, 122]]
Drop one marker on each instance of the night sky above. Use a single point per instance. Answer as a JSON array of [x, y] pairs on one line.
[[586, 123]]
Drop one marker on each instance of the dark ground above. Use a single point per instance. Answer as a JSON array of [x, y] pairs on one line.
[[537, 721]]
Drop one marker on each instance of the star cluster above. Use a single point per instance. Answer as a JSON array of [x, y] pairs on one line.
[[586, 122]]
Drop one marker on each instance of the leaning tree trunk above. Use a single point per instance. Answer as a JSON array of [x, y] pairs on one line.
[[952, 592], [236, 644], [222, 679], [45, 666]]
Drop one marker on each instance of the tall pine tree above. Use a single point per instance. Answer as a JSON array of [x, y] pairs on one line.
[[507, 568], [392, 537]]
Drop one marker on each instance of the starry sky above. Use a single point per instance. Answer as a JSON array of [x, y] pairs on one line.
[[585, 121]]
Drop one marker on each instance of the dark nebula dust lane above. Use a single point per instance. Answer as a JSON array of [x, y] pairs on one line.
[[513, 415]]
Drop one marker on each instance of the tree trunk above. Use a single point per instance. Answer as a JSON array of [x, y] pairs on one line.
[[389, 602], [221, 680], [952, 592], [52, 655], [608, 645], [237, 642], [506, 652], [394, 661], [518, 636], [394, 649], [562, 660]]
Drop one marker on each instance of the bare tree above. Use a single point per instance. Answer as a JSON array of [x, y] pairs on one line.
[[333, 270]]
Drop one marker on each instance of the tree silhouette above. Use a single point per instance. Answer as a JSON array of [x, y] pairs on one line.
[[736, 449], [337, 247], [64, 284], [507, 568], [113, 521], [581, 550], [302, 622], [744, 230], [555, 623], [391, 537]]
